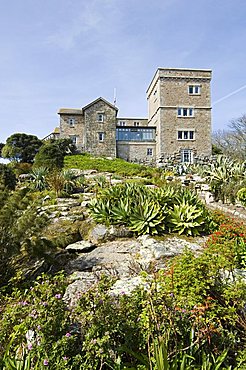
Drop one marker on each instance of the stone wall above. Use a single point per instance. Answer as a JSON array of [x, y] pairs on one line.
[[136, 151], [74, 131], [136, 122], [168, 91], [100, 135]]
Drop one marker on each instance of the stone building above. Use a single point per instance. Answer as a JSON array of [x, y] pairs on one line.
[[178, 126], [179, 107]]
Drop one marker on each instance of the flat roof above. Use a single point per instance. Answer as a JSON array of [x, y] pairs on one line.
[[177, 69]]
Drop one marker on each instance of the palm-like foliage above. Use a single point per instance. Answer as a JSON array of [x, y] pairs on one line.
[[39, 178], [20, 226], [223, 175]]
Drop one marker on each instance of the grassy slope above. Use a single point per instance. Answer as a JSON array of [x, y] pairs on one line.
[[118, 166]]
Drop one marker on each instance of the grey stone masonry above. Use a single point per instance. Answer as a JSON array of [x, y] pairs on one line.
[[92, 128], [178, 124], [180, 108]]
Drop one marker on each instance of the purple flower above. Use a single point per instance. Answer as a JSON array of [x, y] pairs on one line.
[[24, 303], [29, 346], [46, 362], [68, 335], [58, 296], [65, 358], [39, 327]]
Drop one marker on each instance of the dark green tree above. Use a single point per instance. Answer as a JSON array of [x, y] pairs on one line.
[[1, 147], [65, 145], [21, 147], [49, 156], [7, 177]]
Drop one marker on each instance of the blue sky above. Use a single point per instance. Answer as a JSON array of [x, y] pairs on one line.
[[66, 53]]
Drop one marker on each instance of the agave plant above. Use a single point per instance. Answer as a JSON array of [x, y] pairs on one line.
[[69, 181], [221, 174], [121, 212], [39, 178], [186, 219], [148, 217], [100, 210], [165, 196], [187, 196]]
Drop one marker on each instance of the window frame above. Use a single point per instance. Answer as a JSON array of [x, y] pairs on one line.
[[101, 137], [74, 139], [71, 122], [194, 87], [187, 135], [186, 154], [185, 112], [150, 152], [100, 117]]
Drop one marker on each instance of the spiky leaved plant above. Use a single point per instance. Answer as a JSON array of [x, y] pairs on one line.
[[186, 219], [39, 175], [148, 217]]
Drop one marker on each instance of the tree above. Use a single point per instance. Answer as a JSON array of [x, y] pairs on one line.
[[65, 145], [1, 147], [232, 142], [21, 147], [49, 156], [52, 153]]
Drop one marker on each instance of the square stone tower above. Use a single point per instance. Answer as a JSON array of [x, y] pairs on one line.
[[179, 107]]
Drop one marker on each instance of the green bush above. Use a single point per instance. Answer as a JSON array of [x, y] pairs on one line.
[[49, 156], [241, 196], [7, 177]]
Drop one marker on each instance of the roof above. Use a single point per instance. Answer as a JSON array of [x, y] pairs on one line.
[[177, 69], [97, 100], [70, 111]]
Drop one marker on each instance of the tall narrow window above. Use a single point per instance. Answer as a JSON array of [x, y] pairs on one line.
[[71, 122], [100, 117], [186, 156], [74, 139], [101, 136]]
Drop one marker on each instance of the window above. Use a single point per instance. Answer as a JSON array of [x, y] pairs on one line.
[[122, 123], [185, 112], [135, 134], [185, 135], [186, 155], [101, 136], [100, 117], [74, 139], [71, 122], [194, 89], [136, 123], [149, 151]]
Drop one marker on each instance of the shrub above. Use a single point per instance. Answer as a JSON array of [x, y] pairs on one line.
[[7, 177], [49, 156], [241, 196]]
